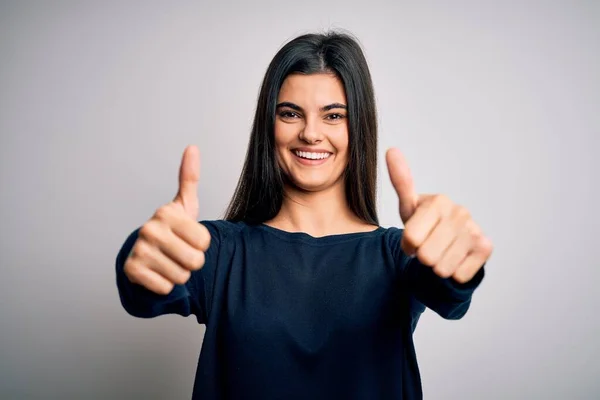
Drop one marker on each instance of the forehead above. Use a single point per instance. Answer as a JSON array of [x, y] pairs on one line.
[[313, 89]]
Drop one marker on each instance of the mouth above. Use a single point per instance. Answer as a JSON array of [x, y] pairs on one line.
[[311, 157]]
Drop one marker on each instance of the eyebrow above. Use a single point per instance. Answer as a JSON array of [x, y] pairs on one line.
[[322, 109]]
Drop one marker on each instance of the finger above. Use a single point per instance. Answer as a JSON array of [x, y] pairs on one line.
[[473, 262], [424, 220], [407, 247], [181, 252], [148, 278], [189, 175], [188, 229], [154, 259], [193, 233], [402, 181], [442, 236], [469, 267], [455, 255]]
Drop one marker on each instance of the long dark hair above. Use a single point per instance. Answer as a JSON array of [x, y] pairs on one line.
[[259, 193]]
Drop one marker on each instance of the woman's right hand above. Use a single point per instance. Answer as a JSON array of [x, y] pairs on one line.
[[172, 243]]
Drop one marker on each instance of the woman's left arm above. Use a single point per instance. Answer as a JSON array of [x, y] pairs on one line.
[[448, 248]]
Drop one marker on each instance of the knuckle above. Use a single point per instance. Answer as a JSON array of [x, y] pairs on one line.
[[486, 245], [164, 213], [461, 277], [463, 213], [476, 235], [165, 289], [441, 199], [205, 238], [132, 271], [442, 272], [150, 230], [202, 260], [141, 250], [473, 229], [146, 230], [426, 257], [182, 277], [410, 237], [128, 267], [196, 260], [443, 204]]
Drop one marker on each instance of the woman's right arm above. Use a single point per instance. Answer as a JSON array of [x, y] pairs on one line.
[[158, 266]]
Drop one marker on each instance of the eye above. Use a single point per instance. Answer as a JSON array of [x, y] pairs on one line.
[[286, 114], [335, 117]]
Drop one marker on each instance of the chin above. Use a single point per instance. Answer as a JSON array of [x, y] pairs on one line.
[[311, 180], [313, 185], [310, 187]]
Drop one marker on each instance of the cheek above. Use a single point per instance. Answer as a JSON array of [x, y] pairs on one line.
[[282, 139], [284, 134], [340, 141]]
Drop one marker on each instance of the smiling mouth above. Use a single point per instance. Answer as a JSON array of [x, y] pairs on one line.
[[307, 155]]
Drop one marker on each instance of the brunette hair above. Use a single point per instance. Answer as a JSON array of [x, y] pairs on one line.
[[259, 193]]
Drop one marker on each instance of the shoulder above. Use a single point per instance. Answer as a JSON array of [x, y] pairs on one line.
[[221, 229], [392, 234], [393, 237]]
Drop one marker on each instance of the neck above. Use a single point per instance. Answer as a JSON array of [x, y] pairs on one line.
[[321, 213]]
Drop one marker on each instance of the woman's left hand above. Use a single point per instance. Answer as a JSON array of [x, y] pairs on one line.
[[440, 233]]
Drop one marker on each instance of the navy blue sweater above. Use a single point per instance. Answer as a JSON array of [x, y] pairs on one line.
[[291, 316]]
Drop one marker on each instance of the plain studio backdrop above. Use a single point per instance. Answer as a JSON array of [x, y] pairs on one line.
[[495, 104]]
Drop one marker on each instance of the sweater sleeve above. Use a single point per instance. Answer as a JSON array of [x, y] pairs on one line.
[[185, 300], [447, 297]]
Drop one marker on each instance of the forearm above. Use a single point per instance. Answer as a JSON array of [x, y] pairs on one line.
[[445, 296], [141, 302]]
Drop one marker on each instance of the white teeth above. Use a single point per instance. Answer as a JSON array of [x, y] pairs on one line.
[[312, 156]]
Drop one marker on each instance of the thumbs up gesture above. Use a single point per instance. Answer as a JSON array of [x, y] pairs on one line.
[[440, 233], [172, 243]]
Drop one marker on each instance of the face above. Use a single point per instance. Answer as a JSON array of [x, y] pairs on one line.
[[311, 131]]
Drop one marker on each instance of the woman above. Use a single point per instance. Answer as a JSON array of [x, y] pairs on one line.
[[303, 294]]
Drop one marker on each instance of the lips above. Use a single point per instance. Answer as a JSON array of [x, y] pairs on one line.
[[312, 155], [311, 158]]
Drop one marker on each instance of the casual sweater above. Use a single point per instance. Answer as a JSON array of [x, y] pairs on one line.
[[292, 316]]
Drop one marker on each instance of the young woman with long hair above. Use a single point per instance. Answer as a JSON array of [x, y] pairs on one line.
[[303, 294]]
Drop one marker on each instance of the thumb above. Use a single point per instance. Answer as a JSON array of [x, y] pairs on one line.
[[403, 183], [189, 175]]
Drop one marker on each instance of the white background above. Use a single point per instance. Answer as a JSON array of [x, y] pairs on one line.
[[495, 104]]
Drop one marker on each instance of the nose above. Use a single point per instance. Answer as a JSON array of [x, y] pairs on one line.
[[311, 132]]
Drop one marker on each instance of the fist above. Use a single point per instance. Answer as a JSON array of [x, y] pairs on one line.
[[440, 233], [172, 243]]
